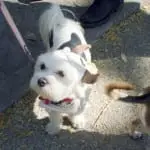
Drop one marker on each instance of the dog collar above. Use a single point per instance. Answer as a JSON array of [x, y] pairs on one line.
[[47, 101]]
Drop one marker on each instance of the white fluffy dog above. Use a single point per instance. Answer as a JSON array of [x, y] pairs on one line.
[[63, 75]]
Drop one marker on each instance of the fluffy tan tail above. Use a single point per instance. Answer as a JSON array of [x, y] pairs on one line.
[[118, 85]]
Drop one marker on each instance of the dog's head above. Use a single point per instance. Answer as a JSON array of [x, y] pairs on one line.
[[57, 74]]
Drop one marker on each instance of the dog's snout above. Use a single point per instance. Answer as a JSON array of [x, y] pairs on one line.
[[42, 82]]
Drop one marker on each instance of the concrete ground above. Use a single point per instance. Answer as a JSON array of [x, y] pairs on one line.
[[122, 53]]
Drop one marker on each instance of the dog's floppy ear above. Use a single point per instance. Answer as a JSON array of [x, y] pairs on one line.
[[91, 74]]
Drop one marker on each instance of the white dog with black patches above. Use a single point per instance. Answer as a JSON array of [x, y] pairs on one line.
[[63, 75]]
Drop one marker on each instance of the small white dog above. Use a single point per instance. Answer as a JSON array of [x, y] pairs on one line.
[[63, 75]]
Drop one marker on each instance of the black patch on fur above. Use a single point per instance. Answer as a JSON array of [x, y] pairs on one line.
[[72, 43], [51, 35]]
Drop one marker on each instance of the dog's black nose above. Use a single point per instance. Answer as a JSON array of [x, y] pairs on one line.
[[42, 82]]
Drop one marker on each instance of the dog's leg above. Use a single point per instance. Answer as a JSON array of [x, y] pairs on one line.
[[135, 135], [54, 126], [145, 118], [78, 121]]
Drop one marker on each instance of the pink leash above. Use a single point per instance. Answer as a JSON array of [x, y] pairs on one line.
[[16, 32]]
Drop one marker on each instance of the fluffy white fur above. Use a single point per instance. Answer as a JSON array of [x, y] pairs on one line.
[[54, 19], [73, 66]]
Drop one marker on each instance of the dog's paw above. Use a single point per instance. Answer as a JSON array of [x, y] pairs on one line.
[[137, 135], [52, 129], [78, 122]]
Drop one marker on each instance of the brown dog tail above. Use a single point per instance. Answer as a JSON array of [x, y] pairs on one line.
[[118, 85], [141, 99]]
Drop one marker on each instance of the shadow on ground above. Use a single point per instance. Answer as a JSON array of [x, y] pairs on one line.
[[66, 141], [130, 37], [125, 50]]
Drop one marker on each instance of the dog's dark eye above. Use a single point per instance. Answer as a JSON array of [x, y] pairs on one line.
[[42, 67], [60, 73]]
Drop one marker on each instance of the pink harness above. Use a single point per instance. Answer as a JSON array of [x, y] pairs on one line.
[[16, 32]]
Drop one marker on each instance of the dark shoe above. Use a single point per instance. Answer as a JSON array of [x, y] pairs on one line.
[[99, 12]]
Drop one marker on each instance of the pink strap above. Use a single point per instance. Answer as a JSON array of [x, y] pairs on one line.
[[14, 29]]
